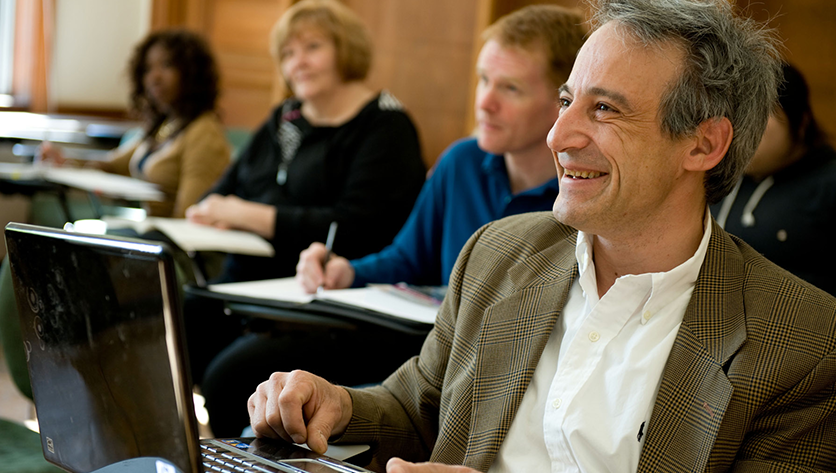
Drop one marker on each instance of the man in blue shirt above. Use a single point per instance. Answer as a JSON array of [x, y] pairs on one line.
[[507, 169]]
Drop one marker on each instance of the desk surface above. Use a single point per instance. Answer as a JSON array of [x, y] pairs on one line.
[[316, 312], [90, 180]]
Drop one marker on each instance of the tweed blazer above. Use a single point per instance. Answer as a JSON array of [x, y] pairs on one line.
[[750, 383]]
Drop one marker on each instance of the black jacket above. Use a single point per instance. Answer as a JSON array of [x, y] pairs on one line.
[[364, 174], [793, 223]]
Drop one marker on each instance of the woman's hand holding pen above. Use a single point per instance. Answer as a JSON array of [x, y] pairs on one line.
[[313, 272]]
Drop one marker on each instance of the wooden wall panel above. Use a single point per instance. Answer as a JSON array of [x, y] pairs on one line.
[[503, 7], [808, 28], [423, 55], [239, 31]]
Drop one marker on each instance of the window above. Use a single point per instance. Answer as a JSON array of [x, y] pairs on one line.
[[7, 35]]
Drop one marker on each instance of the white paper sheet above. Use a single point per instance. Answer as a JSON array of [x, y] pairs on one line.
[[284, 289], [288, 290]]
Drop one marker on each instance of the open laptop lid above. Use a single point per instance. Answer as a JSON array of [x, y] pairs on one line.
[[102, 342]]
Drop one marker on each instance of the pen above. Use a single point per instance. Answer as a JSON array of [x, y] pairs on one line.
[[329, 244]]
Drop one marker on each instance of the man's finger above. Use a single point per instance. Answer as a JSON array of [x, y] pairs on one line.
[[256, 406], [320, 427], [291, 401], [317, 438]]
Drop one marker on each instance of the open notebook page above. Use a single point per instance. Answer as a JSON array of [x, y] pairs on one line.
[[284, 289], [382, 301], [371, 298]]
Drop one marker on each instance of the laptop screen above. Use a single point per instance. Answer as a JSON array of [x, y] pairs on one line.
[[100, 327]]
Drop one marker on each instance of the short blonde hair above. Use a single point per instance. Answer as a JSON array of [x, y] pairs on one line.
[[559, 32], [350, 36]]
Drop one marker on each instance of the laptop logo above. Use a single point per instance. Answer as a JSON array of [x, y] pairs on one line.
[[49, 445], [39, 331], [34, 301], [38, 324]]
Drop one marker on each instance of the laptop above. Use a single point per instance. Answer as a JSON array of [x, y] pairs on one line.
[[102, 327]]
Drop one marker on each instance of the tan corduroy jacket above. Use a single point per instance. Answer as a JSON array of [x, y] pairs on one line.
[[750, 384], [184, 167]]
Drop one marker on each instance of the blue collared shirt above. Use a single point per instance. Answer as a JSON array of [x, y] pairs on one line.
[[468, 188]]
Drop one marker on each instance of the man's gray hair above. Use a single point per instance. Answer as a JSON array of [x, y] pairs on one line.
[[732, 69]]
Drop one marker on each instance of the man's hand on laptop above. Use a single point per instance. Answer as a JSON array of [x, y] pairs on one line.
[[280, 406], [313, 272]]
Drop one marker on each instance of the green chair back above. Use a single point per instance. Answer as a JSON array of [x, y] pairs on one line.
[[237, 138], [10, 336], [20, 450]]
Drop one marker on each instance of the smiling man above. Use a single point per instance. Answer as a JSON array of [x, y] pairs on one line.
[[626, 331]]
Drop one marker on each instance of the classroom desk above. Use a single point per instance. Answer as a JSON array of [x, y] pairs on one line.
[[28, 179], [67, 129], [30, 187], [26, 130], [315, 312]]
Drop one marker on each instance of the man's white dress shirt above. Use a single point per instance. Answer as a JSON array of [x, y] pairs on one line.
[[589, 402]]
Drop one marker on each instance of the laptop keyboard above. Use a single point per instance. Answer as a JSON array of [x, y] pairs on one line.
[[219, 459], [230, 462]]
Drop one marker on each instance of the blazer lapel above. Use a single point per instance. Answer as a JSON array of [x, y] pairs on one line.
[[695, 390], [514, 334]]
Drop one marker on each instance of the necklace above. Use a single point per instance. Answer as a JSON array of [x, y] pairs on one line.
[[166, 129]]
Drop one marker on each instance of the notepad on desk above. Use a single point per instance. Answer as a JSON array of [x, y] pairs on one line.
[[195, 237], [372, 298], [100, 182]]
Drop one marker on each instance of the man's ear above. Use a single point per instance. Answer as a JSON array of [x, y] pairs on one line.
[[711, 142]]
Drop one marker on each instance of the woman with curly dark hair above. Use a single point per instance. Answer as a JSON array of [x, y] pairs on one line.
[[183, 149]]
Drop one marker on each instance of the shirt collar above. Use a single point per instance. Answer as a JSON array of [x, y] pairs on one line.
[[495, 163], [664, 287], [492, 163]]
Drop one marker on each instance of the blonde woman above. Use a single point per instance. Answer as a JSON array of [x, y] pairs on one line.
[[336, 151]]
